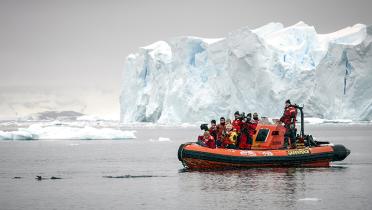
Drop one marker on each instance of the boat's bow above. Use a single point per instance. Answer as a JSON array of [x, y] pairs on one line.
[[340, 152]]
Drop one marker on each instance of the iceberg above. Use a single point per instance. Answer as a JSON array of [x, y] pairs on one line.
[[191, 79], [63, 132]]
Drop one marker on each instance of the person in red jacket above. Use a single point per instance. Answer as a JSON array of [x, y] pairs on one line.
[[237, 122], [244, 134], [289, 120], [208, 140], [256, 120], [248, 129], [230, 139], [252, 125], [213, 129], [221, 131]]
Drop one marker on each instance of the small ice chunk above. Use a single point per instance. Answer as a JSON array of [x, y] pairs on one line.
[[161, 139], [309, 199]]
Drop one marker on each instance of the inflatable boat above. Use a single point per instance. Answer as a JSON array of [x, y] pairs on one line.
[[267, 151]]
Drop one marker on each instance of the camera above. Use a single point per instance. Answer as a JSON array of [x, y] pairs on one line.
[[204, 127], [242, 116]]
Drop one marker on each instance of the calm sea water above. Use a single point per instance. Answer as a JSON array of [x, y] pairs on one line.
[[151, 177]]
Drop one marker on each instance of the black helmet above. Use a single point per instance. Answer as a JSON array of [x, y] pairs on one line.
[[236, 113]]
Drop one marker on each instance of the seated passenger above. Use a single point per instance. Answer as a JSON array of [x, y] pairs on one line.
[[213, 129], [255, 118], [237, 122], [251, 125], [204, 128], [231, 137], [244, 135], [208, 140], [221, 131]]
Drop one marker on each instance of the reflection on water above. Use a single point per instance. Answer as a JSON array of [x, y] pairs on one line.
[[263, 187]]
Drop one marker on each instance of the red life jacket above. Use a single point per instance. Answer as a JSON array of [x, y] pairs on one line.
[[256, 121], [243, 143], [210, 142], [220, 130], [289, 116], [230, 139], [252, 127], [237, 124], [213, 131]]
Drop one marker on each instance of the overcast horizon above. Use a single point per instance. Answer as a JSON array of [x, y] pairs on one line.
[[80, 46]]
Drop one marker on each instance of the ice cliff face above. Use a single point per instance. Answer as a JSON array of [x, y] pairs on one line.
[[189, 79]]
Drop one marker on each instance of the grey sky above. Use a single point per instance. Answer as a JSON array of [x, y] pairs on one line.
[[77, 43]]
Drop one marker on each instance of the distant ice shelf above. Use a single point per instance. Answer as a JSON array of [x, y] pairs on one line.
[[43, 131], [190, 79]]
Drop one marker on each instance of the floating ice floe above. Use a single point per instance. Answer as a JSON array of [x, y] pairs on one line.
[[161, 139], [60, 131], [151, 125], [309, 199], [313, 120]]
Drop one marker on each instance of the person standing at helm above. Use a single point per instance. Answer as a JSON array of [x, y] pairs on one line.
[[289, 120]]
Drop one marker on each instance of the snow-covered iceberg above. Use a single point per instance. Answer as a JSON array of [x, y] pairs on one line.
[[189, 79], [62, 132]]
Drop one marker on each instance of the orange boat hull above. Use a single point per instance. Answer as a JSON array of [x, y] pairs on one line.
[[196, 157]]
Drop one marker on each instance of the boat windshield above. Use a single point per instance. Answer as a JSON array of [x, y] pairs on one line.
[[262, 135]]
